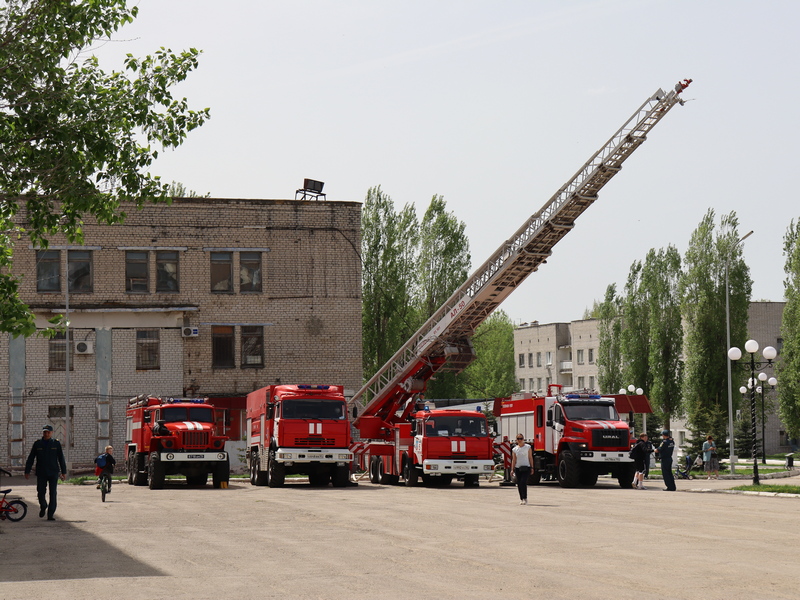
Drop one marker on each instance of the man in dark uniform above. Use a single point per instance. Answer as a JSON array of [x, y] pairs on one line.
[[665, 451], [49, 465]]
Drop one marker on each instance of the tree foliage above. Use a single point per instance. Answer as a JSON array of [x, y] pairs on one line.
[[788, 367], [702, 291], [75, 141], [491, 374], [635, 343], [609, 352]]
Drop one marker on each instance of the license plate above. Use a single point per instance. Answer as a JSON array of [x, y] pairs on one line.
[[613, 459], [191, 456]]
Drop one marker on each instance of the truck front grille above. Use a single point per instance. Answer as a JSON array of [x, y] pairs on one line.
[[609, 438], [195, 439], [314, 442]]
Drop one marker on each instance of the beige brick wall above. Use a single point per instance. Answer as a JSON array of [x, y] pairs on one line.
[[310, 309]]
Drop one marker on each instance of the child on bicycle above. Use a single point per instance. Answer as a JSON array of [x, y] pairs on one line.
[[105, 464]]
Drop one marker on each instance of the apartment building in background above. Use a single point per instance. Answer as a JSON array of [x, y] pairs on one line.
[[201, 298]]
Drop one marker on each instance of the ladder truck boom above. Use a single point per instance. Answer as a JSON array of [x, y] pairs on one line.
[[444, 341]]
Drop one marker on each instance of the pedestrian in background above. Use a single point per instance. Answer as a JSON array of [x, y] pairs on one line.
[[648, 453], [521, 464], [665, 451], [638, 454], [50, 464], [710, 460]]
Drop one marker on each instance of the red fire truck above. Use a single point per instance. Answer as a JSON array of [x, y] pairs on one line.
[[298, 429], [444, 343], [575, 437], [434, 445], [175, 436]]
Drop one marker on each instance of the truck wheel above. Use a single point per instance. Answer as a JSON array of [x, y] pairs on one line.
[[341, 476], [567, 470], [131, 466], [259, 477], [253, 461], [373, 469], [625, 476], [385, 478], [588, 477], [276, 470], [410, 473], [136, 466], [155, 472], [221, 474]]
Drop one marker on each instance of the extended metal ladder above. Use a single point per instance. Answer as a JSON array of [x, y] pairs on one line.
[[447, 333]]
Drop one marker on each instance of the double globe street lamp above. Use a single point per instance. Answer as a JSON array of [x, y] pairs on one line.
[[735, 354], [761, 389], [632, 389]]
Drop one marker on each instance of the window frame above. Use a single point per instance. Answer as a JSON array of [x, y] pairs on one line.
[[58, 347], [251, 258], [143, 281], [253, 334], [223, 341], [161, 260], [144, 346], [48, 257], [217, 260], [76, 258]]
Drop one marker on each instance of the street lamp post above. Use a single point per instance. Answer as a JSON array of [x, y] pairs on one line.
[[735, 354], [762, 377], [632, 389], [732, 456]]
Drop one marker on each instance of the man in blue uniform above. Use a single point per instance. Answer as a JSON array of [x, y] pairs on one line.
[[50, 465], [665, 451]]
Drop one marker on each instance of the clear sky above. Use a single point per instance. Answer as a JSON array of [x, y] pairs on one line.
[[494, 105]]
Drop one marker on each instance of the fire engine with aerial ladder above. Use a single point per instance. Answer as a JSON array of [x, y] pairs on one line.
[[393, 424]]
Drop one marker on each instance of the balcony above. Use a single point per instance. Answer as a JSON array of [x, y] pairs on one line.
[[565, 366]]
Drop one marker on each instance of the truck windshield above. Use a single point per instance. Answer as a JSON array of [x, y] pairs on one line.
[[455, 426], [312, 408], [174, 414], [591, 412]]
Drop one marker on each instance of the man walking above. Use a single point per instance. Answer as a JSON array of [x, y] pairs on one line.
[[665, 452], [50, 464]]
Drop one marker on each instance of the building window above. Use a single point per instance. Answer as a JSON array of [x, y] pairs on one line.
[[79, 269], [591, 382], [250, 272], [522, 362], [521, 385], [137, 272], [591, 356], [580, 357], [252, 346], [148, 352], [530, 385], [548, 356], [221, 271], [530, 360], [48, 271], [222, 347], [167, 271], [57, 352], [547, 382], [580, 383], [538, 359], [538, 384]]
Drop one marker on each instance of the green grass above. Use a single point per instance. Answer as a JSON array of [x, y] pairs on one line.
[[783, 489]]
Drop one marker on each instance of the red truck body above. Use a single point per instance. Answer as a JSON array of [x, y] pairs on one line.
[[575, 437], [175, 436], [298, 429]]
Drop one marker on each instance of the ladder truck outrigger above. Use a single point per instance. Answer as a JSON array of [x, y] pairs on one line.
[[393, 423]]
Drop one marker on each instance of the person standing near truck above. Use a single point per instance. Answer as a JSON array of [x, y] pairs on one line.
[[50, 464], [521, 464], [665, 451]]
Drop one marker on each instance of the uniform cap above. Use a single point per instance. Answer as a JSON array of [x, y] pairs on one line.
[[665, 432], [47, 428]]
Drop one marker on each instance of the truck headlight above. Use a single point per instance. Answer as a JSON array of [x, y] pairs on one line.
[[285, 455], [431, 467], [488, 467], [344, 457]]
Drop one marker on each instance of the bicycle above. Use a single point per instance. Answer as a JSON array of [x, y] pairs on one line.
[[14, 510], [105, 485]]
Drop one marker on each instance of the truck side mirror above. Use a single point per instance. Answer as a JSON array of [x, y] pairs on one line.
[[355, 411]]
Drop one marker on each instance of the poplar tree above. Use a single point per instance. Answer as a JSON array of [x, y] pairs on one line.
[[609, 354], [788, 367], [491, 374], [635, 342], [76, 141]]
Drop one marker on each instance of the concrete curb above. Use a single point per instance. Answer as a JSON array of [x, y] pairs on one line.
[[746, 493]]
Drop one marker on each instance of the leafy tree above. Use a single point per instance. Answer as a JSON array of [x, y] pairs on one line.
[[609, 353], [491, 374], [661, 277], [788, 367], [389, 278], [702, 292], [635, 342], [178, 190], [75, 141]]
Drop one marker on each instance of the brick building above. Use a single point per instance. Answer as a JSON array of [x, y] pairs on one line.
[[205, 297]]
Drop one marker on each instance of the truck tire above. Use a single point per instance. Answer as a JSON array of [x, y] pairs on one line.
[[276, 471], [373, 469], [341, 476], [252, 464], [385, 478], [568, 471], [130, 464], [588, 476], [410, 473], [258, 477], [136, 467], [221, 474], [625, 476], [155, 472]]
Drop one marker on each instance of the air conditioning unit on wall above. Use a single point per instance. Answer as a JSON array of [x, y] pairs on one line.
[[190, 332], [84, 347]]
